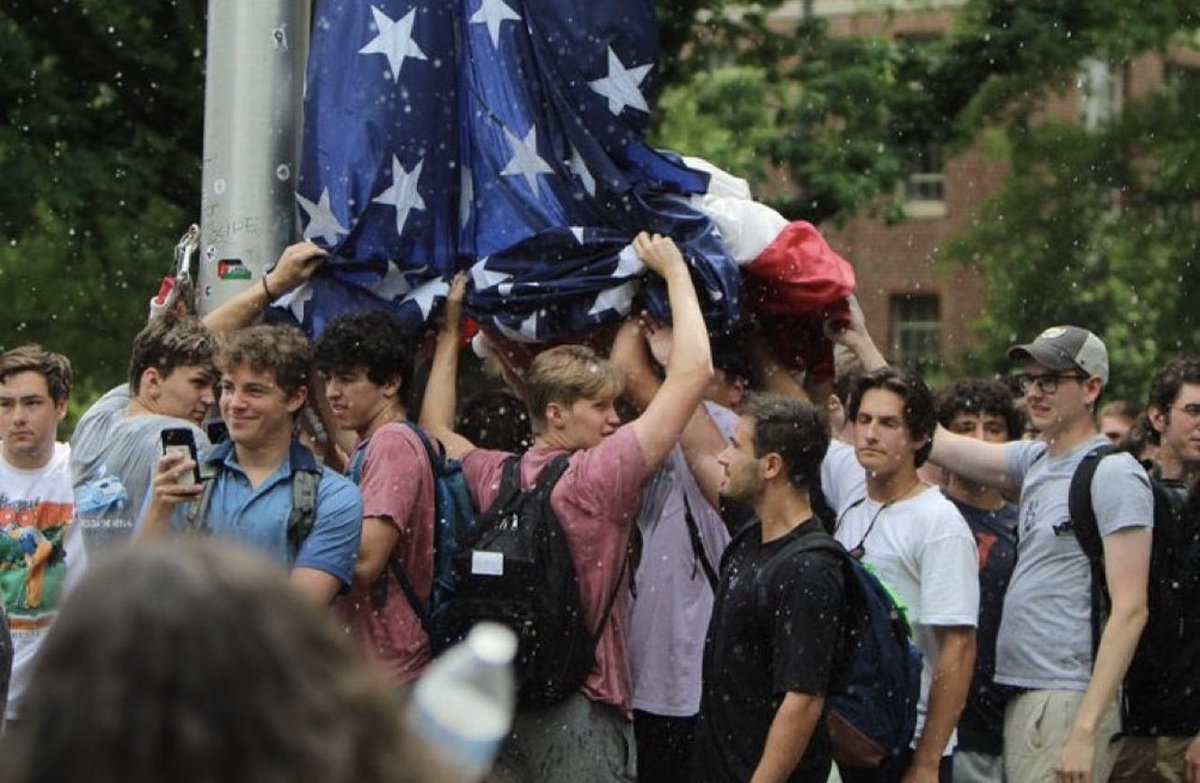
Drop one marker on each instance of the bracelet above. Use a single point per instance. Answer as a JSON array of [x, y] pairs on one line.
[[266, 290]]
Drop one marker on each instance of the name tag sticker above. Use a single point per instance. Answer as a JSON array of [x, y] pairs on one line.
[[487, 563]]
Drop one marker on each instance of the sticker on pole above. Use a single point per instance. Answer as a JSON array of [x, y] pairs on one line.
[[232, 269]]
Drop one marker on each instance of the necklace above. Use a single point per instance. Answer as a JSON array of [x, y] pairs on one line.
[[860, 550]]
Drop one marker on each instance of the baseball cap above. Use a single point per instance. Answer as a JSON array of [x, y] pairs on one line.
[[1066, 348]]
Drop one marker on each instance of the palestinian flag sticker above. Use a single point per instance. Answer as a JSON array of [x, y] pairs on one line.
[[232, 269]]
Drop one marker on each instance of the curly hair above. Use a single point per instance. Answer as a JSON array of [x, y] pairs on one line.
[[919, 415], [54, 367], [796, 431], [194, 661], [283, 351], [167, 342], [976, 395], [1168, 381], [374, 341]]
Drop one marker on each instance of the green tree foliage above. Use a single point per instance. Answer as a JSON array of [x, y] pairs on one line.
[[102, 105], [100, 147], [1100, 229]]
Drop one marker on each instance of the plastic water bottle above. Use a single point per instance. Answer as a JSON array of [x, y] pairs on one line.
[[462, 708]]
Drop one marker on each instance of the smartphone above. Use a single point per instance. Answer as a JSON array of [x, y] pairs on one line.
[[179, 440]]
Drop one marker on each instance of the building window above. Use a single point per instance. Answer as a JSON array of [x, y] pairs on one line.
[[1100, 87], [916, 330], [925, 186]]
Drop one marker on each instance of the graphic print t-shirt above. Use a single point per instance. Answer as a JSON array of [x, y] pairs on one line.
[[38, 544]]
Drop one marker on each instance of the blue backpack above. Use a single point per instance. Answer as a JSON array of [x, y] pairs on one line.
[[871, 708], [453, 519]]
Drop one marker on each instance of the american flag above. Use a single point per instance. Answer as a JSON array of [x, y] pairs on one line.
[[503, 137]]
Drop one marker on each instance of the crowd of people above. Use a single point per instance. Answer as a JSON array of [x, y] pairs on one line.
[[1057, 617]]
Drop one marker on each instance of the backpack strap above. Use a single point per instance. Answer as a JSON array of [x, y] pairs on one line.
[[196, 521], [612, 600], [1087, 533], [542, 487], [300, 521], [510, 486], [436, 459], [304, 508], [698, 553]]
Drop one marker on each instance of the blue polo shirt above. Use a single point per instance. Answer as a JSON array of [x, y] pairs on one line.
[[257, 516]]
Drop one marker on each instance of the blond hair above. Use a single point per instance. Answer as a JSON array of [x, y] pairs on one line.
[[565, 374]]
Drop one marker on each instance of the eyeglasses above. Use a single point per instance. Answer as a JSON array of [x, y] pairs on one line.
[[1191, 410], [1047, 384]]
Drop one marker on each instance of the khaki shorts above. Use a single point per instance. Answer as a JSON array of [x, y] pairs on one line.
[[1150, 760], [1036, 727]]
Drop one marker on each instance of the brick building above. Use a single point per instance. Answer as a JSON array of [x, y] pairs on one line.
[[921, 312]]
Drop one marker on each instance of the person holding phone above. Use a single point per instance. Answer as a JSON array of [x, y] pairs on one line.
[[117, 442], [253, 497]]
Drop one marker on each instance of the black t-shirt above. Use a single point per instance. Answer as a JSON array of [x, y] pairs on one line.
[[775, 628], [981, 726]]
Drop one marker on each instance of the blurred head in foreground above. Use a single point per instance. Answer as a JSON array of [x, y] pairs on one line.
[[191, 661]]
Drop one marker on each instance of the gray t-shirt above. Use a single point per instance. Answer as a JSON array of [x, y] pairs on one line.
[[113, 459], [1045, 639]]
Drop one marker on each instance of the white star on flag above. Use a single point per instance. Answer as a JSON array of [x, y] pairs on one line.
[[393, 285], [619, 298], [296, 300], [526, 161], [394, 40], [628, 263], [322, 222], [403, 193], [483, 277], [577, 232], [580, 169], [525, 333], [621, 86], [424, 294], [492, 13]]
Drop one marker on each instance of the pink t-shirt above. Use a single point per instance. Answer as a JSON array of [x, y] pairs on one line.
[[597, 502], [397, 486]]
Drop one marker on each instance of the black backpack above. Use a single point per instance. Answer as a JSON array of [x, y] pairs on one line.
[[514, 567], [1173, 580]]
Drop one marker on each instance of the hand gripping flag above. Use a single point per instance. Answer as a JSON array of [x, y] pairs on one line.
[[506, 137]]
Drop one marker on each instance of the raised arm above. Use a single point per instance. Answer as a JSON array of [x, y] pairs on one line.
[[855, 336], [166, 494], [295, 267], [690, 368], [438, 406], [701, 441], [976, 460]]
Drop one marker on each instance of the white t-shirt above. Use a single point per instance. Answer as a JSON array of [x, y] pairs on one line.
[[923, 551], [39, 545]]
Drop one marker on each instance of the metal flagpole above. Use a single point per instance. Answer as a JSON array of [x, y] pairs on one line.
[[257, 52]]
